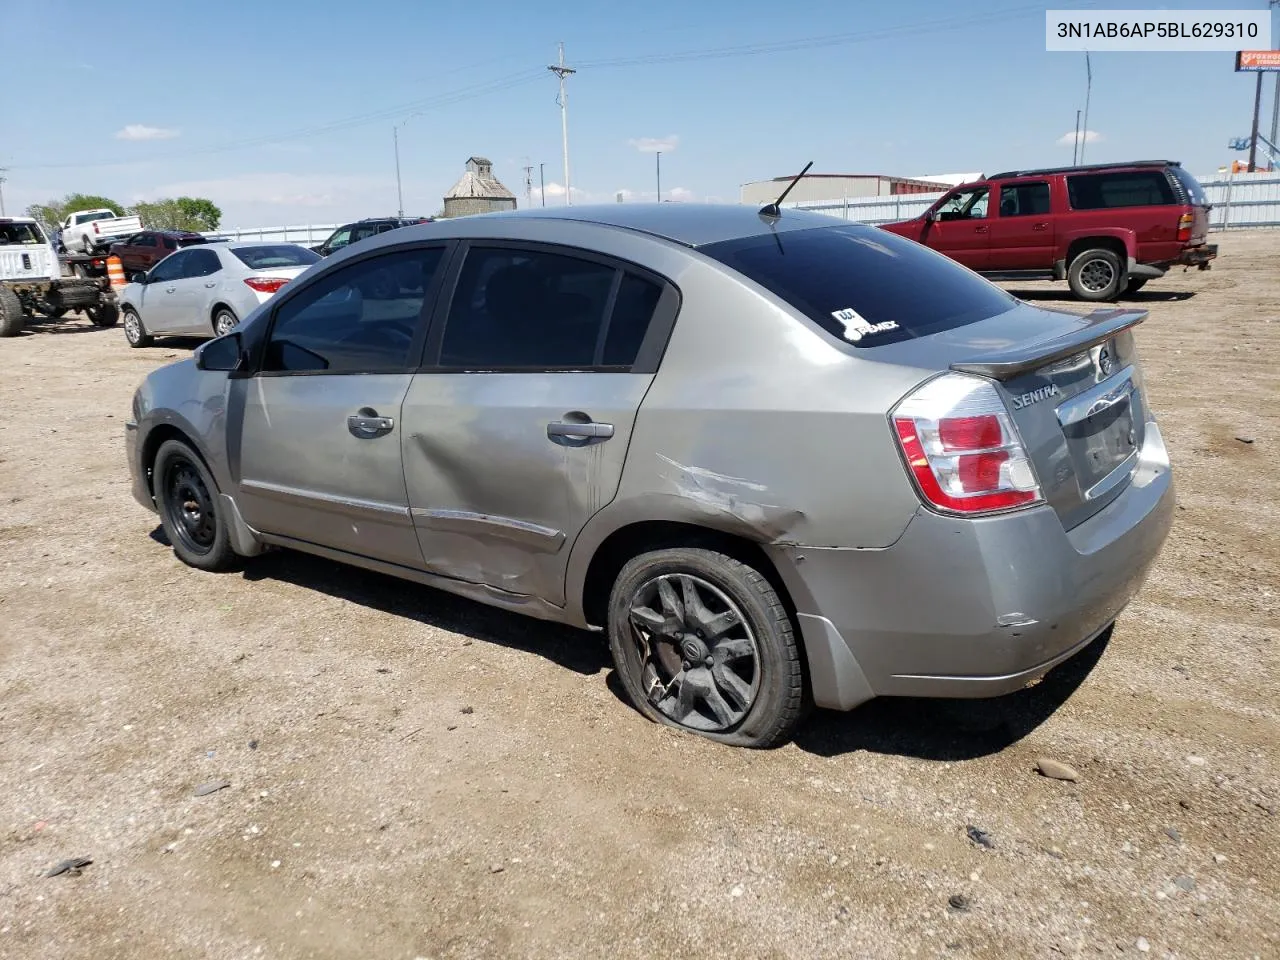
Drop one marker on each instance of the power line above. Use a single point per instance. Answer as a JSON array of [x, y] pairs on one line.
[[334, 126]]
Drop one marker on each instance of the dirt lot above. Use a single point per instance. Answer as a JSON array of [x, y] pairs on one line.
[[414, 775]]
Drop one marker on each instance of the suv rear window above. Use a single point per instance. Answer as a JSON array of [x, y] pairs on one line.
[[271, 256], [188, 241], [1191, 186], [1102, 191], [864, 285]]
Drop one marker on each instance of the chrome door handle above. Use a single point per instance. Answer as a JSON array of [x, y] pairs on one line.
[[170, 289], [367, 425], [214, 284], [568, 433], [1039, 226], [980, 229]]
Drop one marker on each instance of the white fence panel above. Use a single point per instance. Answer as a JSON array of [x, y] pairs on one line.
[[308, 234]]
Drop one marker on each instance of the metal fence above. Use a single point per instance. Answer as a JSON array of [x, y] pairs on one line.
[[308, 234], [1239, 200]]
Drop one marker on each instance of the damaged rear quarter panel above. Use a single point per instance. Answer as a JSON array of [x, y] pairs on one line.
[[756, 425]]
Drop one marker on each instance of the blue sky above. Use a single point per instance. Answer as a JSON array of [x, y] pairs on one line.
[[282, 111]]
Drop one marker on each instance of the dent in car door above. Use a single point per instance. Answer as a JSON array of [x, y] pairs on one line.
[[320, 450], [504, 467]]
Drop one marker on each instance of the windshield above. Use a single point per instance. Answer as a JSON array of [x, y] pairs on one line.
[[864, 285], [20, 233], [268, 257]]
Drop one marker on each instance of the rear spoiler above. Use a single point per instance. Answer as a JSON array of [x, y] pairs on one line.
[[1006, 364]]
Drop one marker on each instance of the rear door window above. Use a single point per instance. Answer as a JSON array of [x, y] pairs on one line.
[[1105, 191], [866, 286], [1024, 199], [202, 263]]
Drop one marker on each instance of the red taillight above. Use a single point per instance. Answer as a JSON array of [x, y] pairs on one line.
[[266, 284], [95, 227], [1184, 227], [962, 449]]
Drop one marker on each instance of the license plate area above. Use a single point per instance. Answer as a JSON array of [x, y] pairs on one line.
[[1103, 429]]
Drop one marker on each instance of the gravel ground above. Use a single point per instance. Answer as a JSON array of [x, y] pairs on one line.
[[413, 775]]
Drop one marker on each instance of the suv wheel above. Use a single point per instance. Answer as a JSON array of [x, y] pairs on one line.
[[702, 642], [1096, 275], [134, 331]]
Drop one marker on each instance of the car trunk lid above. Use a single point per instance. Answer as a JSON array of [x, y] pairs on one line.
[[1073, 387]]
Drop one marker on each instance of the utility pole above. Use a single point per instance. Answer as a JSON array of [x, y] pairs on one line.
[[1253, 138], [1075, 144], [561, 71], [1275, 99], [3, 171], [395, 140], [542, 182], [528, 183], [1088, 89], [659, 163]]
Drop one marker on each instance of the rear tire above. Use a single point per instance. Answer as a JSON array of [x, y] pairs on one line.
[[703, 643], [1096, 275], [187, 497], [85, 246], [12, 316], [134, 332], [106, 315], [224, 321]]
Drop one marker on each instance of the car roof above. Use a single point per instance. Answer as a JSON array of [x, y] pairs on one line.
[[1089, 168], [690, 224]]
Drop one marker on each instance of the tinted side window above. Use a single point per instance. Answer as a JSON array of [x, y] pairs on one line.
[[172, 267], [143, 240], [864, 285], [360, 319], [170, 243], [1024, 199], [517, 309], [340, 238], [632, 311], [1100, 191], [202, 263]]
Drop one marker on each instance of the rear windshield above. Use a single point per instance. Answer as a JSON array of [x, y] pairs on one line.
[[188, 241], [28, 233], [1104, 191], [270, 256], [864, 285], [90, 217], [1195, 192]]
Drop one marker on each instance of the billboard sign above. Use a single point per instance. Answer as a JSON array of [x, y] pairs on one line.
[[1253, 61]]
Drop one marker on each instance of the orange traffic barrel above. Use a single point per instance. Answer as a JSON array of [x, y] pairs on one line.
[[115, 271]]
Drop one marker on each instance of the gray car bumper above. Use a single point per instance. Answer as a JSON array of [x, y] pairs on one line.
[[975, 608]]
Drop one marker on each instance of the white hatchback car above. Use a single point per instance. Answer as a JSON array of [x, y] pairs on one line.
[[205, 291]]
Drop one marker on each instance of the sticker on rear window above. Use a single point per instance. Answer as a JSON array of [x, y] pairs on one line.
[[856, 327]]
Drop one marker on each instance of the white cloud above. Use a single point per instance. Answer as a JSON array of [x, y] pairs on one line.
[[678, 194], [140, 131], [1070, 138], [555, 191], [654, 144]]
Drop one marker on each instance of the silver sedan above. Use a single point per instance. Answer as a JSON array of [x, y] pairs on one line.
[[206, 291]]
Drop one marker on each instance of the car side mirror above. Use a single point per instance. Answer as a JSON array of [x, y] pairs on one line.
[[933, 216], [225, 354]]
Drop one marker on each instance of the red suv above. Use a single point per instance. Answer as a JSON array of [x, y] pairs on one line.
[[140, 252], [1105, 229]]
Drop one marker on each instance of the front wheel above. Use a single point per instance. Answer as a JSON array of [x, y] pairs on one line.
[[224, 321], [1096, 275], [188, 500], [134, 332], [703, 643]]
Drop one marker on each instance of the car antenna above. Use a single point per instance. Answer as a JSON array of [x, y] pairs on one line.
[[775, 209]]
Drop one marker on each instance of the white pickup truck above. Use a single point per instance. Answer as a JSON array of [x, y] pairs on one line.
[[31, 281], [84, 231]]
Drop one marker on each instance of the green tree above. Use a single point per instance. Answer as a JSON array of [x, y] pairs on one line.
[[182, 213], [55, 211]]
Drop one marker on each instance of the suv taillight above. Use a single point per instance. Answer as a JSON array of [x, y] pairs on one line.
[[962, 449], [1184, 227]]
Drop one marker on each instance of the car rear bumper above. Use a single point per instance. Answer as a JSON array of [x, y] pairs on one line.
[[1198, 256], [974, 608]]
